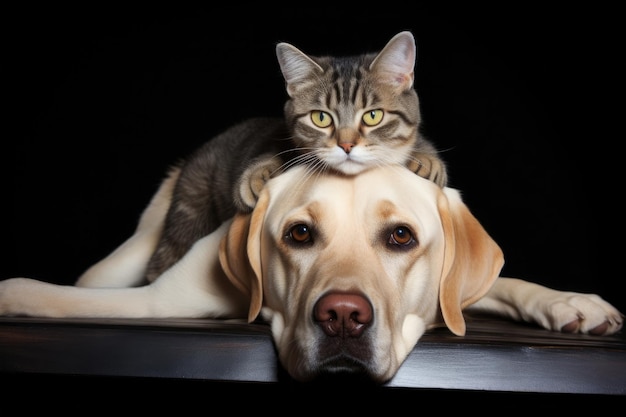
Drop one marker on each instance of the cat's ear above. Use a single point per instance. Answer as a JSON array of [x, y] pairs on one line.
[[296, 66], [395, 64]]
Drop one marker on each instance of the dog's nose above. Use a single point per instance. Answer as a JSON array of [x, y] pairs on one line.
[[343, 314]]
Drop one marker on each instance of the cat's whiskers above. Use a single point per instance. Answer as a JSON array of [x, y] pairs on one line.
[[314, 165], [305, 156], [313, 173]]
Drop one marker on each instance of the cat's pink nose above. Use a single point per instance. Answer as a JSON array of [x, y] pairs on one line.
[[346, 146]]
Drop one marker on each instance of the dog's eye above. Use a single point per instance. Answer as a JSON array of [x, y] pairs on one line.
[[401, 236], [299, 233]]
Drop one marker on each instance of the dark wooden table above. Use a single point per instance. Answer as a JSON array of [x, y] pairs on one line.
[[494, 356]]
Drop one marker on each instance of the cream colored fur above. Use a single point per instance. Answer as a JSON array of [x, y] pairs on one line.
[[250, 268]]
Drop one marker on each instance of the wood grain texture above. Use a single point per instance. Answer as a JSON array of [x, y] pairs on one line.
[[495, 356]]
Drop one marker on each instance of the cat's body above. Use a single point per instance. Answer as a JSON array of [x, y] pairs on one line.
[[345, 114]]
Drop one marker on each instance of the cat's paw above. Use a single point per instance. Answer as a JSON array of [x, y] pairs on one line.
[[571, 312], [252, 181], [430, 167]]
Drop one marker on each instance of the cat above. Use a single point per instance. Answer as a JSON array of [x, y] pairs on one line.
[[345, 114]]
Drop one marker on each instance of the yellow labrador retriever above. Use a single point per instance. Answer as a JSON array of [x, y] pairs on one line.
[[349, 271]]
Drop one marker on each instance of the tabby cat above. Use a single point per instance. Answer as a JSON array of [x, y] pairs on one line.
[[343, 113]]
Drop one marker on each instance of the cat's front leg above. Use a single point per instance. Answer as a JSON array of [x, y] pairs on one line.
[[429, 166], [251, 182]]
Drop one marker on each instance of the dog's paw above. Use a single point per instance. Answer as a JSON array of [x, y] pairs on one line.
[[430, 167], [252, 181], [580, 313]]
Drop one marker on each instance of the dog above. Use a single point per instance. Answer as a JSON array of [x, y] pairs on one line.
[[349, 271]]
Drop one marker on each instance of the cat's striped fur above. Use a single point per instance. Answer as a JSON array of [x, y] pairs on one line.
[[343, 113]]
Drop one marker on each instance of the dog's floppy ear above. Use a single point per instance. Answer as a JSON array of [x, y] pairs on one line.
[[472, 260], [240, 254]]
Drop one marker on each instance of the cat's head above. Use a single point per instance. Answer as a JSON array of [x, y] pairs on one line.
[[352, 113]]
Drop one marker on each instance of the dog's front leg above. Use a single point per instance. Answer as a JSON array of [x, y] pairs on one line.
[[29, 297], [561, 311], [194, 287]]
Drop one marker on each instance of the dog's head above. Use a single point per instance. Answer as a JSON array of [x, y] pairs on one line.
[[351, 271]]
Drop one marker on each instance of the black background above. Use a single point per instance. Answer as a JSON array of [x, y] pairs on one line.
[[101, 102]]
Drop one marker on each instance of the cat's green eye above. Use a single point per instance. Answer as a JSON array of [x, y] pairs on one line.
[[321, 118], [373, 117]]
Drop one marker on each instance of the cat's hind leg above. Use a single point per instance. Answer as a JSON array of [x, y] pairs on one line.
[[126, 265]]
